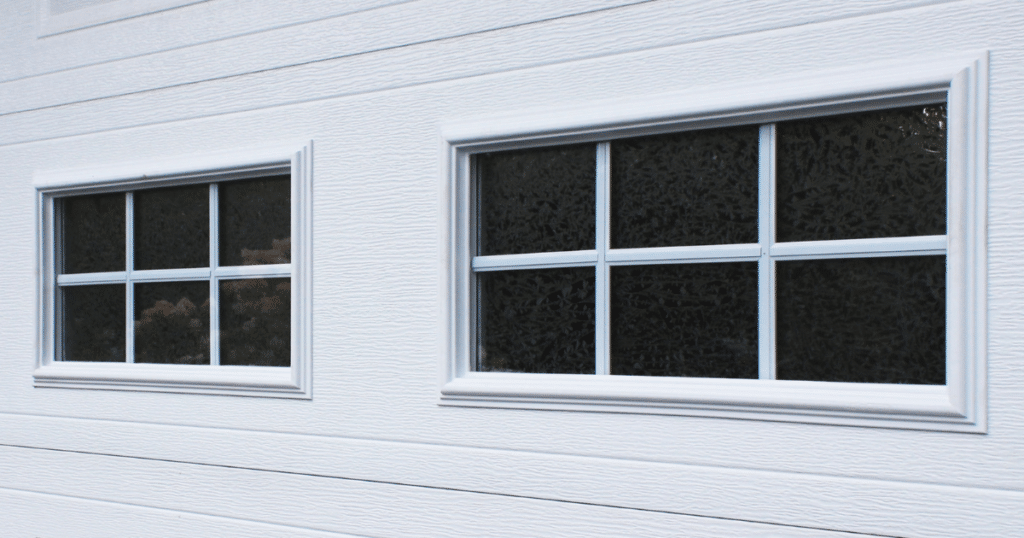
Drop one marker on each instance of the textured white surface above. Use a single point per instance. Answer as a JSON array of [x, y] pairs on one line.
[[352, 506], [518, 47], [850, 504], [365, 31], [29, 513], [183, 27], [378, 285]]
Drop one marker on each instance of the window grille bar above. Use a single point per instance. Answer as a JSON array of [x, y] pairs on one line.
[[56, 209], [253, 271], [170, 275], [765, 265], [537, 260], [702, 253], [81, 279], [602, 306], [176, 275], [214, 283], [129, 293], [850, 248], [468, 171]]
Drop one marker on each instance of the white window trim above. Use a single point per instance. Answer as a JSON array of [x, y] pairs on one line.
[[960, 405], [293, 382]]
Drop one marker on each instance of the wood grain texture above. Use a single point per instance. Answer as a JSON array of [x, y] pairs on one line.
[[856, 505], [595, 34], [367, 28], [347, 506], [378, 299], [378, 291], [176, 28], [54, 516], [401, 25], [378, 305]]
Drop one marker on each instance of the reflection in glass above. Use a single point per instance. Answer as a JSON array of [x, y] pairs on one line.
[[688, 320], [172, 322], [537, 200], [537, 321], [94, 239], [93, 324], [255, 221], [172, 228], [255, 322], [863, 320], [691, 188], [871, 174]]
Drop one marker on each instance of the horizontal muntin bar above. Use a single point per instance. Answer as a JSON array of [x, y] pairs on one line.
[[252, 271], [624, 256], [887, 246], [166, 275], [171, 275], [82, 279], [535, 260]]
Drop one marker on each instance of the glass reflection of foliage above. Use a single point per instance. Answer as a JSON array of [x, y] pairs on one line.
[[537, 321], [690, 188], [94, 239], [692, 320], [863, 320], [172, 228], [537, 200], [870, 174], [255, 221], [255, 322], [172, 322], [94, 322]]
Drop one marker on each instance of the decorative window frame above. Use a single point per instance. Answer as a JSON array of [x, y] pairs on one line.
[[959, 406], [292, 382]]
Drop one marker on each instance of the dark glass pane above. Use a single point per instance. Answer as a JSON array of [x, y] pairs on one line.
[[172, 228], [172, 322], [872, 174], [537, 200], [537, 321], [255, 221], [864, 320], [94, 323], [94, 233], [687, 320], [693, 188], [255, 322]]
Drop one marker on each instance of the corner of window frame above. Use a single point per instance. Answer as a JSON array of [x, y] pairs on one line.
[[958, 406], [294, 382]]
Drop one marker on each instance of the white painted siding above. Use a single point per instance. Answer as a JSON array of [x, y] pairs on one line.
[[372, 454]]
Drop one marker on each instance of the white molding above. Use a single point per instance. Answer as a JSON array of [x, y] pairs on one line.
[[52, 23], [292, 382], [960, 405], [172, 170], [928, 407], [243, 380], [849, 90]]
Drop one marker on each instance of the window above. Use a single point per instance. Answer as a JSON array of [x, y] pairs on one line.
[[798, 262], [183, 282], [829, 266]]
